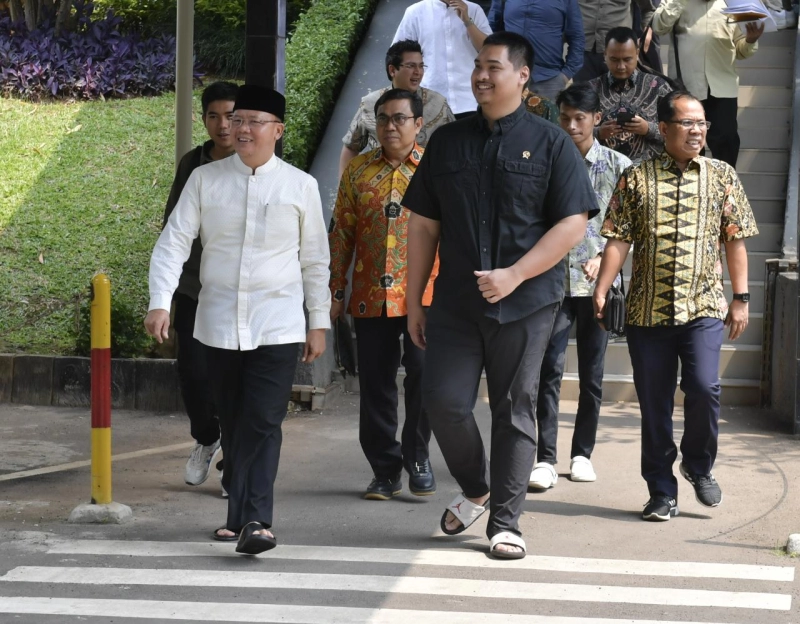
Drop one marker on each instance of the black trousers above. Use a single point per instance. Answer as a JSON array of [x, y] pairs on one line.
[[723, 136], [458, 349], [252, 390], [193, 374], [378, 360], [592, 341], [655, 352], [594, 65]]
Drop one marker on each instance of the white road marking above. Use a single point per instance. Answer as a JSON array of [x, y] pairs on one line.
[[450, 557], [285, 614], [88, 462], [510, 590]]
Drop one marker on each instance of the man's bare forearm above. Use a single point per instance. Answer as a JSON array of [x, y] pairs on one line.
[[552, 247], [423, 240], [614, 256], [736, 257]]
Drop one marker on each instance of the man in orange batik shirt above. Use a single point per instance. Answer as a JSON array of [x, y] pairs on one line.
[[369, 220]]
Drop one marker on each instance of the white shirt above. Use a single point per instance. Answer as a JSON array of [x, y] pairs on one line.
[[708, 46], [265, 250], [447, 49]]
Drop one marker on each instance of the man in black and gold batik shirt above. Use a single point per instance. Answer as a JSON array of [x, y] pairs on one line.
[[678, 210]]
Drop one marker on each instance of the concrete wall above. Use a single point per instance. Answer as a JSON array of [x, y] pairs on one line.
[[785, 351]]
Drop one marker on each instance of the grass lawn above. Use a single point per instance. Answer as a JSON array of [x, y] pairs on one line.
[[83, 190]]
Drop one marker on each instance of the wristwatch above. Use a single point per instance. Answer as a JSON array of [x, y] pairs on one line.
[[743, 297]]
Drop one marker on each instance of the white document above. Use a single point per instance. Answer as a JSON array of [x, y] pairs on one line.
[[748, 11]]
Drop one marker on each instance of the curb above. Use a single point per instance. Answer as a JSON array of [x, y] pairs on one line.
[[136, 384]]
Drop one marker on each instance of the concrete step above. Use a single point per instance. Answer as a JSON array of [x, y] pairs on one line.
[[771, 137], [776, 57], [764, 96], [768, 209], [770, 236], [763, 184], [764, 116], [769, 160], [765, 76], [620, 388], [739, 362]]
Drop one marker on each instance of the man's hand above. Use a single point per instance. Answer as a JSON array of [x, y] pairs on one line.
[[608, 129], [599, 301], [337, 309], [637, 125], [497, 284], [648, 39], [157, 324], [416, 325], [461, 10], [738, 314], [591, 268], [315, 345], [753, 31]]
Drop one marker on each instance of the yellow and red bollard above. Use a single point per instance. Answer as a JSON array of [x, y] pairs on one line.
[[101, 389]]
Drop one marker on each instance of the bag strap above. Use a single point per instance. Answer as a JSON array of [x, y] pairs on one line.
[[677, 56]]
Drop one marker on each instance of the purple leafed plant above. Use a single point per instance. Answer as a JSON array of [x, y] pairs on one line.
[[91, 61]]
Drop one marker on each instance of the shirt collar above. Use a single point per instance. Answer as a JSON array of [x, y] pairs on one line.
[[506, 123], [413, 157], [593, 155], [630, 81], [668, 162], [264, 169]]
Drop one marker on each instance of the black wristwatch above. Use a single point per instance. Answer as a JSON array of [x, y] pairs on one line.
[[744, 297]]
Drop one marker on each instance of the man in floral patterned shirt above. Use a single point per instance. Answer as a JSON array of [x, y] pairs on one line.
[[676, 210], [579, 108], [370, 221]]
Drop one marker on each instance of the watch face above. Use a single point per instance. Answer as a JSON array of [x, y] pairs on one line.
[[745, 297]]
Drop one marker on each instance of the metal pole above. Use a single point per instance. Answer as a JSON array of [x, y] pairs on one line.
[[184, 78], [101, 389]]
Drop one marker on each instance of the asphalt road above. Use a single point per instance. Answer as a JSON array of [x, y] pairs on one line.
[[343, 559]]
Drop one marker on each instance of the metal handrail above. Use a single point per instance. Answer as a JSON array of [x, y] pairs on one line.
[[791, 224]]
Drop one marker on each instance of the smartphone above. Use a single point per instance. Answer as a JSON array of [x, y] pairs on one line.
[[624, 117]]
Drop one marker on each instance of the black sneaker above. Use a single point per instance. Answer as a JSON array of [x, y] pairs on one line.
[[706, 488], [420, 480], [659, 508], [384, 488]]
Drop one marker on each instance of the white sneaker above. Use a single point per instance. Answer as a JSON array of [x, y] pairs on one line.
[[581, 470], [200, 463], [222, 487], [543, 476]]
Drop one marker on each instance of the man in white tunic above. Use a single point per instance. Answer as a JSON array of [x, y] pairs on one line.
[[265, 253]]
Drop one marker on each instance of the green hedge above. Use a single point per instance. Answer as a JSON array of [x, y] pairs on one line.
[[318, 56]]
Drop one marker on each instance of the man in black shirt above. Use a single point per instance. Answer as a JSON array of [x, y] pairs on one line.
[[505, 195]]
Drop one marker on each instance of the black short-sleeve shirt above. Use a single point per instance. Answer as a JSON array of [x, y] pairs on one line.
[[496, 192]]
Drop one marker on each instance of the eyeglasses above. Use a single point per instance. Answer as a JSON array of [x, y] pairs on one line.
[[253, 124], [413, 66], [398, 119], [688, 124]]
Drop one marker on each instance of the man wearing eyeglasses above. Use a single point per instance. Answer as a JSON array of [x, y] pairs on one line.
[[405, 70], [370, 223], [675, 210], [265, 255]]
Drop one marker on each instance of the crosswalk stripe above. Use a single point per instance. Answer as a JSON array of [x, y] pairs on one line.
[[286, 614], [512, 590], [451, 558]]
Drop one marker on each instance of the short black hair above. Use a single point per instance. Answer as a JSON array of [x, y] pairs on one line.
[[218, 91], [622, 34], [394, 55], [666, 103], [401, 94], [520, 50], [581, 96]]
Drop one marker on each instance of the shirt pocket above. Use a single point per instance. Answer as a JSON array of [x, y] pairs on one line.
[[525, 185], [281, 226], [455, 179]]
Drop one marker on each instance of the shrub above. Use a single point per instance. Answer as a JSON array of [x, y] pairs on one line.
[[93, 61], [317, 58]]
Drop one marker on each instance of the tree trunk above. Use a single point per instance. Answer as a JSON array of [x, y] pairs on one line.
[[31, 19], [15, 9], [63, 15]]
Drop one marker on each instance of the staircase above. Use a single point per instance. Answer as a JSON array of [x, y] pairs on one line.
[[765, 101]]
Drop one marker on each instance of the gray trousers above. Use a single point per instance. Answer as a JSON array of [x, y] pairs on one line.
[[458, 349], [551, 87]]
